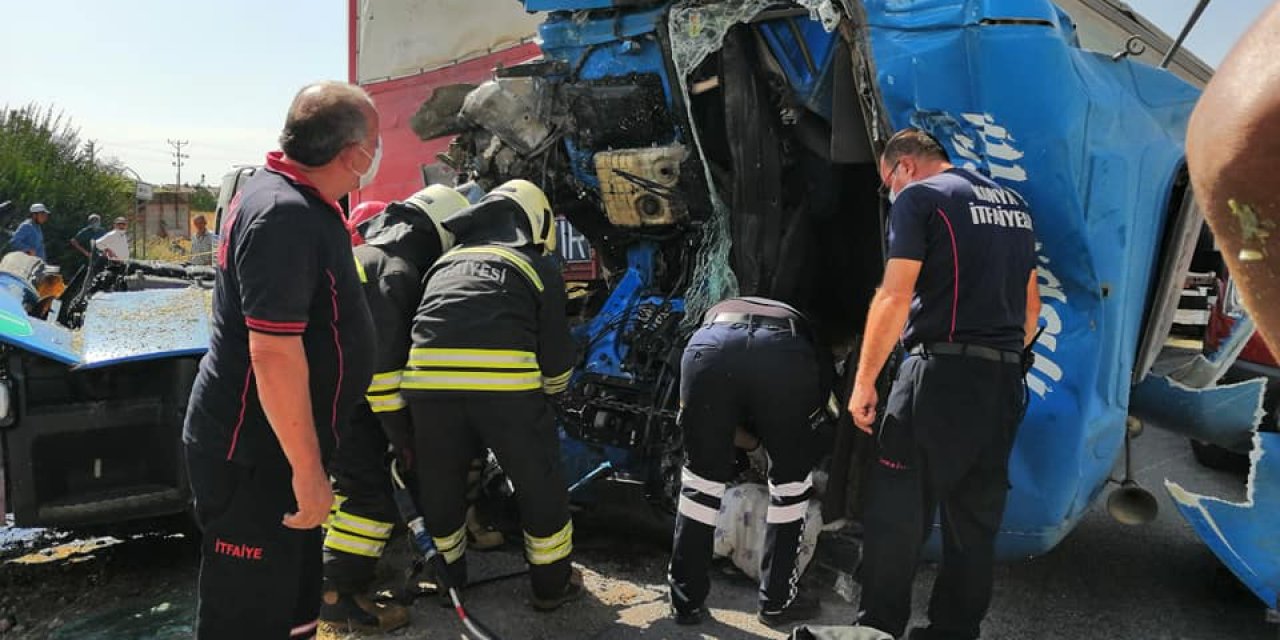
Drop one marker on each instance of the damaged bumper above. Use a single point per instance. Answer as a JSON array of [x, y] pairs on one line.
[[1245, 536]]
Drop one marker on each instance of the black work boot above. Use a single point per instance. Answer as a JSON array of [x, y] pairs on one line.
[[572, 591], [805, 606], [689, 616], [352, 612]]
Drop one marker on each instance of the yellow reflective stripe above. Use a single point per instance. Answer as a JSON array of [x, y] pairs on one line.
[[386, 403], [518, 261], [452, 546], [363, 526], [555, 547], [556, 384], [477, 358], [338, 499], [355, 545], [472, 380], [388, 381], [360, 271]]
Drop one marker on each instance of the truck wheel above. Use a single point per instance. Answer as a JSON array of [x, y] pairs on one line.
[[1219, 459]]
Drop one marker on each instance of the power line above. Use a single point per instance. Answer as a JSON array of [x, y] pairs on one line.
[[178, 157]]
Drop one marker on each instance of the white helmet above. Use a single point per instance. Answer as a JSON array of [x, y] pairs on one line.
[[535, 205], [439, 202]]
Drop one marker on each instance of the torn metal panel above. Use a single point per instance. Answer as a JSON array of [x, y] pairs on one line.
[[1245, 536], [1225, 415], [145, 325]]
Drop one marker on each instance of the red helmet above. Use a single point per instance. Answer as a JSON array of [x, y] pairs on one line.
[[362, 212]]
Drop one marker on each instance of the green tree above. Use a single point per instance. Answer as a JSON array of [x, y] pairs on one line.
[[202, 199], [42, 159]]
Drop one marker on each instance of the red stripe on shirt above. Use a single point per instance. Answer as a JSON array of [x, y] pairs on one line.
[[272, 326], [955, 262], [337, 344], [244, 404]]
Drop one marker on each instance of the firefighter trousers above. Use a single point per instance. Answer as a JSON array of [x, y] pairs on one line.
[[766, 379], [520, 429], [258, 578], [363, 513], [943, 447]]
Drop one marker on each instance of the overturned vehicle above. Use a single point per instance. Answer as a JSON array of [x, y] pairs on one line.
[[94, 380], [704, 149]]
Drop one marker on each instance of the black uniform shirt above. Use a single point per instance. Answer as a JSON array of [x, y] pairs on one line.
[[976, 241], [284, 268]]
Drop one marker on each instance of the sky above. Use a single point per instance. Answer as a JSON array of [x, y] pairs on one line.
[[133, 74]]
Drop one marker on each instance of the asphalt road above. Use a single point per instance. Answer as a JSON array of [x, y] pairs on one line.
[[1104, 581]]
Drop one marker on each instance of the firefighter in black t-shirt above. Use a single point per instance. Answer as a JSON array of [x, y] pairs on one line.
[[291, 353], [400, 245], [960, 293], [490, 343]]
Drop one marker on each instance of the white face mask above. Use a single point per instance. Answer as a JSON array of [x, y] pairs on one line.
[[367, 177], [893, 195]]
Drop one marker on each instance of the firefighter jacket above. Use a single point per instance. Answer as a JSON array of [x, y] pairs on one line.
[[492, 315], [400, 245]]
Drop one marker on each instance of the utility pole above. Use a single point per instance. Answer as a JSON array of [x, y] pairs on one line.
[[178, 157]]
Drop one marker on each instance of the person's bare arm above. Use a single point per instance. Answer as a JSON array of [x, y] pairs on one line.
[[76, 245], [1234, 158], [885, 321], [283, 383], [1033, 309]]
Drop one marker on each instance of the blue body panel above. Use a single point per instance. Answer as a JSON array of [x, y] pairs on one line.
[[29, 334], [1224, 415], [613, 45], [606, 350], [805, 51], [1095, 146], [118, 328], [1244, 536], [145, 325]]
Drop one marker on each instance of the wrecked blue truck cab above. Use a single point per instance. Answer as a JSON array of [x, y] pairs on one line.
[[709, 149], [95, 394]]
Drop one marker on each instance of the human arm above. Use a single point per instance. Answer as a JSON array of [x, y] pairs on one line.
[[24, 239], [556, 352], [75, 244], [282, 377], [278, 271], [908, 243], [1033, 309], [393, 300], [1232, 161], [885, 322]]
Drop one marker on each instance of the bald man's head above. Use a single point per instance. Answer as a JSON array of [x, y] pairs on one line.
[[325, 118]]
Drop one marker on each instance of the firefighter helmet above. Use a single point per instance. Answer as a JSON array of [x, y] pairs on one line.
[[439, 202], [535, 205]]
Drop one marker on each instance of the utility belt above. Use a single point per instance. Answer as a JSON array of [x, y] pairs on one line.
[[967, 350], [793, 326]]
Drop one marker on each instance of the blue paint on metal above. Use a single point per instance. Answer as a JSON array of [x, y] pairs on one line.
[[29, 334], [145, 325], [1095, 146], [603, 46], [1244, 536], [606, 350], [568, 5], [809, 75], [1225, 415]]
